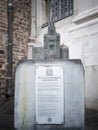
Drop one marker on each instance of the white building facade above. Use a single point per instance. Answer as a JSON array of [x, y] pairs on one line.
[[78, 31]]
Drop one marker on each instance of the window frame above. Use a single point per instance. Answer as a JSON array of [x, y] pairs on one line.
[[69, 8], [48, 13]]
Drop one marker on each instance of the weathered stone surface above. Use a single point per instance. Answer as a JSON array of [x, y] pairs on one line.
[[73, 95], [21, 28]]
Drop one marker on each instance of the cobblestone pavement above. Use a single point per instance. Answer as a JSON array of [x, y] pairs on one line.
[[7, 117]]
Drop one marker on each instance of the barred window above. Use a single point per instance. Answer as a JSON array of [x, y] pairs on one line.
[[61, 8]]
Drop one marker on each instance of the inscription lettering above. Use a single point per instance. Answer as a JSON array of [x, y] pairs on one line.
[[49, 94]]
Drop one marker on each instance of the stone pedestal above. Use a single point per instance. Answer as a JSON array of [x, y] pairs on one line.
[[51, 98]]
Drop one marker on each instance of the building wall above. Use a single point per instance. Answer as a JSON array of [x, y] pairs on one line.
[[21, 31], [3, 45], [83, 45], [80, 33]]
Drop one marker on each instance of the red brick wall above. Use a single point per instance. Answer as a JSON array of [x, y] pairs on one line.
[[21, 31]]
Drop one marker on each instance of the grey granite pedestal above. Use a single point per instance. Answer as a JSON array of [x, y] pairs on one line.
[[71, 101]]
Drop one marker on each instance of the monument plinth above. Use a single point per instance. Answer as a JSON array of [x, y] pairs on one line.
[[49, 90]]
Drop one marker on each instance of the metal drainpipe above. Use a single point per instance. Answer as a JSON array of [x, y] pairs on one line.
[[10, 47]]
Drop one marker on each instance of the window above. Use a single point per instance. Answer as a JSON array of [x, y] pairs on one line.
[[61, 8]]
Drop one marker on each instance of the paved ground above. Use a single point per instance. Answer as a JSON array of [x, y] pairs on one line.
[[91, 119], [7, 117]]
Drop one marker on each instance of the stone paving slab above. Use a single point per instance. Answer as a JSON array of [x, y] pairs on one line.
[[7, 117], [91, 119]]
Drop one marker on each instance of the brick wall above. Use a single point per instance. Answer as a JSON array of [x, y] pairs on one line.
[[21, 31]]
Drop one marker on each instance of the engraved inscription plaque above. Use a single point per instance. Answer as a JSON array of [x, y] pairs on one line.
[[49, 94]]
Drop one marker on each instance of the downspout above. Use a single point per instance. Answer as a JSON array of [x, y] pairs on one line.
[[10, 47]]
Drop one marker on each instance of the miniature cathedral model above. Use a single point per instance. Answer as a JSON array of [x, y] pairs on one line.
[[52, 48]]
